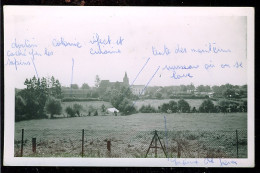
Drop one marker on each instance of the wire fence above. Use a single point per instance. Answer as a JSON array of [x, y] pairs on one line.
[[130, 144]]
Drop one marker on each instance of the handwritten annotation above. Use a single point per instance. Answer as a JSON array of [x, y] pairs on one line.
[[62, 42], [206, 49], [185, 71], [203, 162], [105, 45], [24, 52]]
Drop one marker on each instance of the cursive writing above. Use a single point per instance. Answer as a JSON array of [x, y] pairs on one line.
[[61, 42]]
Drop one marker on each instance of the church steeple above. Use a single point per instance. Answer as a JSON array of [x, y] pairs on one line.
[[126, 80]]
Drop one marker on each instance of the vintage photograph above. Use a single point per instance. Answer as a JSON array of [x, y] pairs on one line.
[[125, 86]]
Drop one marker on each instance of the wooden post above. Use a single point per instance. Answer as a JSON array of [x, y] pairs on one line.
[[179, 150], [237, 142], [109, 146], [22, 143], [82, 149], [34, 145], [155, 144]]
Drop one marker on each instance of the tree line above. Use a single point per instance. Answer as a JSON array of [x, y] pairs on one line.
[[41, 96], [207, 106]]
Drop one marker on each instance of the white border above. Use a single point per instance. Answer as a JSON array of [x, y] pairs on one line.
[[10, 160]]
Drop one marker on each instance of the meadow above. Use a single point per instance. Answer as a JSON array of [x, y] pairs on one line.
[[198, 134]]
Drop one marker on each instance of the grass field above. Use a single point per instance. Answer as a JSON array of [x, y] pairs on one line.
[[198, 134]]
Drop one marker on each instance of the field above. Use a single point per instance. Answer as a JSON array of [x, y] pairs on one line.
[[155, 102], [194, 135]]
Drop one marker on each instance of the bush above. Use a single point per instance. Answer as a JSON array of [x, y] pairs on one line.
[[53, 106], [207, 106], [173, 106], [19, 105], [71, 99], [70, 111], [126, 107], [147, 109], [165, 107], [96, 113], [183, 106], [77, 108]]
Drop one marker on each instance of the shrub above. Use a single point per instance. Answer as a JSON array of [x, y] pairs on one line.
[[207, 106], [126, 107], [165, 107], [70, 111], [96, 113], [77, 108], [147, 109], [70, 99], [173, 106], [53, 106], [183, 106], [19, 105]]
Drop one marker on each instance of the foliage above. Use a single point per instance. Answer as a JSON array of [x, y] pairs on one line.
[[126, 107], [103, 108], [53, 106], [77, 108], [158, 95], [85, 86], [165, 107], [20, 107], [207, 106], [173, 106], [35, 95], [70, 111], [96, 113], [97, 81], [183, 106], [147, 109], [74, 86], [70, 99]]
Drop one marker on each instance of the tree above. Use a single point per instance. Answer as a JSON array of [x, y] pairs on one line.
[[165, 107], [85, 86], [103, 108], [53, 106], [77, 108], [207, 106], [126, 107], [158, 95], [201, 88], [229, 93], [173, 106], [70, 111], [97, 81], [147, 109], [183, 106], [36, 93], [20, 106], [74, 86]]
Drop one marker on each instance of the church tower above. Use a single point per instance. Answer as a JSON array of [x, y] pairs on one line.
[[126, 80]]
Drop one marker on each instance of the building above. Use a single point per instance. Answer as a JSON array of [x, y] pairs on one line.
[[136, 89]]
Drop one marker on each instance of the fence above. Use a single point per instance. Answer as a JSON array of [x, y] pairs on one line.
[[130, 144]]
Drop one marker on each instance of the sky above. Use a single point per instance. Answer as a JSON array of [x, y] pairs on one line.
[[155, 46]]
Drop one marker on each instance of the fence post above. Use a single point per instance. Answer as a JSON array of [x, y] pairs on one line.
[[155, 144], [34, 145], [237, 142], [109, 147], [22, 143], [179, 150], [82, 149]]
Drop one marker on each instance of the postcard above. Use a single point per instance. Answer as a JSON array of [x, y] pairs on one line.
[[129, 86]]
